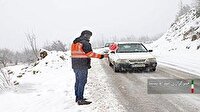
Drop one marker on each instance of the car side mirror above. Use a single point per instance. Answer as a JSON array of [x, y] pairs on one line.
[[112, 52], [150, 50]]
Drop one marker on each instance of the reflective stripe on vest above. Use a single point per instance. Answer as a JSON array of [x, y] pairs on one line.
[[77, 52]]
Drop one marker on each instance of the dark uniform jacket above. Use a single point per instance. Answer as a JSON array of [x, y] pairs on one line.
[[82, 63]]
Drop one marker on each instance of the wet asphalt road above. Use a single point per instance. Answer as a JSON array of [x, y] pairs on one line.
[[131, 91]]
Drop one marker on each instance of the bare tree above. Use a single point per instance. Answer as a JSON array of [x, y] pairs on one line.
[[33, 44], [197, 6], [28, 56], [25, 56], [6, 56], [183, 9], [57, 46], [157, 36], [17, 57]]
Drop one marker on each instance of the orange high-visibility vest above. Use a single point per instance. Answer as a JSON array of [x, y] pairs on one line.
[[77, 52]]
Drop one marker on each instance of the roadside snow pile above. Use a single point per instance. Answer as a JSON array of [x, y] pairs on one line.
[[180, 45], [48, 86], [184, 34]]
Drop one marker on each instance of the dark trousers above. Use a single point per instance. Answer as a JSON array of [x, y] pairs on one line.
[[81, 80]]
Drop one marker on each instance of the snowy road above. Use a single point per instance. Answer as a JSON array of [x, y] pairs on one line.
[[131, 90], [52, 90]]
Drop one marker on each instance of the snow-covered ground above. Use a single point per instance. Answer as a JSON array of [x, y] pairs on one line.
[[184, 61], [184, 34], [49, 87], [179, 47]]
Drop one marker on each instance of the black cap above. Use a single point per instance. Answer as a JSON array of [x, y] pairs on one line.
[[86, 32]]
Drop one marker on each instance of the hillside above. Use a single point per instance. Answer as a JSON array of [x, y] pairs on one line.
[[184, 34], [179, 47]]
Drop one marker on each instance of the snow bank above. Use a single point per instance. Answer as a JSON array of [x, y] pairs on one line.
[[100, 90], [48, 86]]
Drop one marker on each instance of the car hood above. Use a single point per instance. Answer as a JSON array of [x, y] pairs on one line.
[[138, 55]]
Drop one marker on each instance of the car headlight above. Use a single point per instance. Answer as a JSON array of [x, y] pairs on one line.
[[122, 61], [151, 60]]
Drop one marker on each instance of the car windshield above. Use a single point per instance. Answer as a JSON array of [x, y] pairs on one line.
[[131, 48]]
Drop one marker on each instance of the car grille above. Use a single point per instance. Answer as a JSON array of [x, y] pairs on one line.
[[137, 60]]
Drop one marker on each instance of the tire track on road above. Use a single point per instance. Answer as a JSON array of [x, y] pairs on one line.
[[131, 89]]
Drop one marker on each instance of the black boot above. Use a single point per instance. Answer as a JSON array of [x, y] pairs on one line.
[[83, 102], [83, 99]]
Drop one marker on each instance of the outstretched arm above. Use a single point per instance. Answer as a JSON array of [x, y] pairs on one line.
[[89, 52]]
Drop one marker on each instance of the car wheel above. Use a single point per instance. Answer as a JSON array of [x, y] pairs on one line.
[[110, 64], [153, 70], [116, 69], [148, 69]]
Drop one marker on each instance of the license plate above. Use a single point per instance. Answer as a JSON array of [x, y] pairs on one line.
[[138, 65]]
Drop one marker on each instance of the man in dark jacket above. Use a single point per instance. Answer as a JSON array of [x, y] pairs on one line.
[[81, 52]]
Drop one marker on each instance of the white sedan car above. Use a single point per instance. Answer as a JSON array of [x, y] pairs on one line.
[[131, 56]]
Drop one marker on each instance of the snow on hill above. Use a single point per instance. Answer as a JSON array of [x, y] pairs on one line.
[[180, 45], [184, 34], [48, 86]]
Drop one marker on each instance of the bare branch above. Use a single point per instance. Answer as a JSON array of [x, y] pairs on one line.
[[33, 44]]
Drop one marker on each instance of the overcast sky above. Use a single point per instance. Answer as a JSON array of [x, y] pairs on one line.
[[65, 19]]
